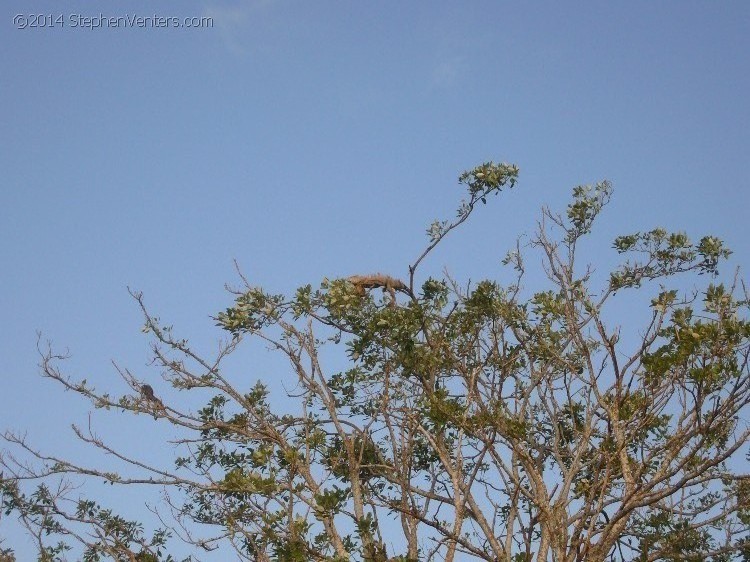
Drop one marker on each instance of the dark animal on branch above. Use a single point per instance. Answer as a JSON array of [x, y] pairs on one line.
[[148, 394], [389, 284]]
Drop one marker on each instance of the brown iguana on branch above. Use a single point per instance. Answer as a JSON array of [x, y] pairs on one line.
[[377, 280]]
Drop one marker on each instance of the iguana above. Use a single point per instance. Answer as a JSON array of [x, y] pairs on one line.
[[377, 280]]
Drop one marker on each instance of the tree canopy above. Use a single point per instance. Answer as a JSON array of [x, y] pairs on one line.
[[439, 419]]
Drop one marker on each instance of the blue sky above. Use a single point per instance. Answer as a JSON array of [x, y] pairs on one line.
[[309, 139]]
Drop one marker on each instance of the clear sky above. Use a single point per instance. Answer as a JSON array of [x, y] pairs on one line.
[[313, 139]]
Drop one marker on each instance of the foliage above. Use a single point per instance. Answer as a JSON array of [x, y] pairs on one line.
[[485, 421]]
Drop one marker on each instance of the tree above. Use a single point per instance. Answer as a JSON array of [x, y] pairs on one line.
[[470, 422]]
